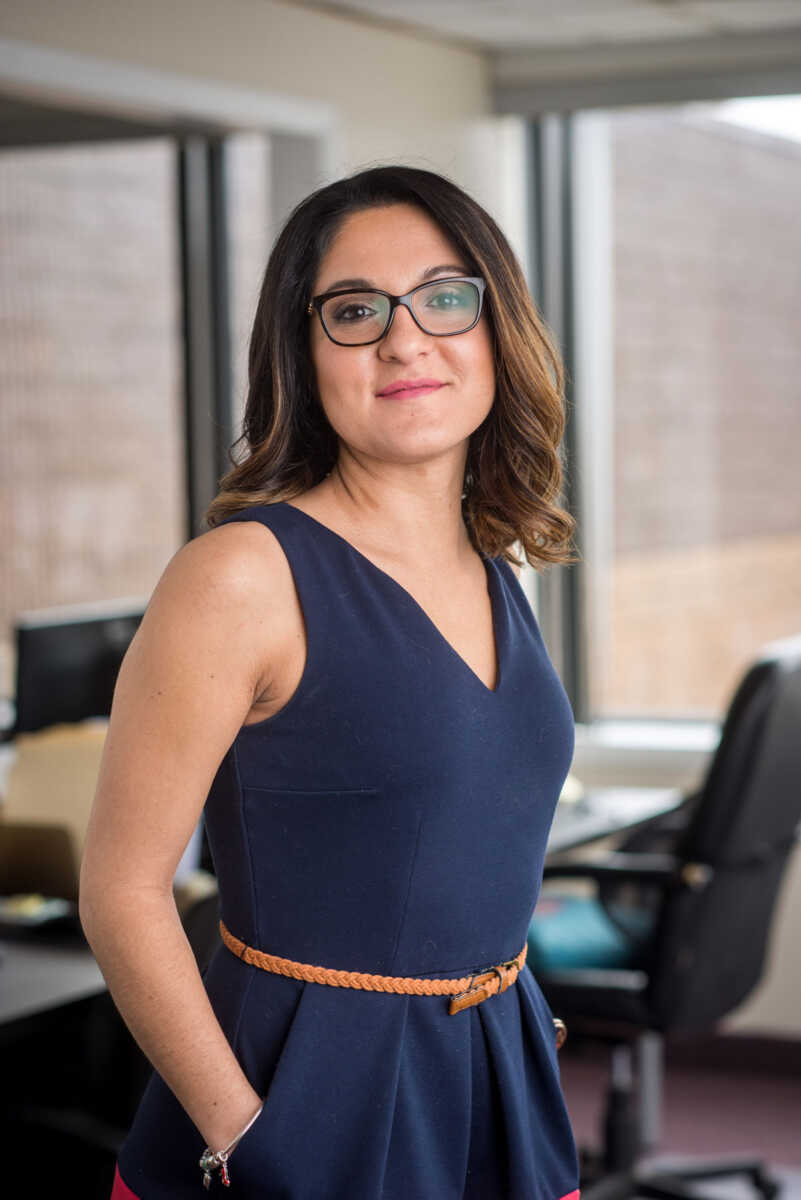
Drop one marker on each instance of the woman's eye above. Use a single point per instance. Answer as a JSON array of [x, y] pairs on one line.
[[353, 312], [446, 300]]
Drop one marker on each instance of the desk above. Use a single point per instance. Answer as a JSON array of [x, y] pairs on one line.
[[602, 812], [72, 1073], [35, 978]]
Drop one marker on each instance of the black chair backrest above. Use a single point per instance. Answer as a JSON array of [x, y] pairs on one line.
[[712, 935]]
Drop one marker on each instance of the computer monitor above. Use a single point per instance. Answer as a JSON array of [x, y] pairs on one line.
[[68, 658]]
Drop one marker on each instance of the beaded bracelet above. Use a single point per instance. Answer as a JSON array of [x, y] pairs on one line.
[[217, 1160]]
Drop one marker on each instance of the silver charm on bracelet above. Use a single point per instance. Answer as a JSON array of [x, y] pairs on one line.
[[217, 1160]]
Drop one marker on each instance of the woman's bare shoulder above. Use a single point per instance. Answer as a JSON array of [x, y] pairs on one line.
[[229, 574], [244, 543], [242, 560], [224, 608]]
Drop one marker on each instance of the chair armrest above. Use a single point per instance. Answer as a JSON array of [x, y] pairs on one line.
[[621, 979], [619, 867]]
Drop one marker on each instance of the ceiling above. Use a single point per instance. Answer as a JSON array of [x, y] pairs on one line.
[[550, 55], [546, 24]]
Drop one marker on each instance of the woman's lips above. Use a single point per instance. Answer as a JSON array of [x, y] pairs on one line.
[[410, 391]]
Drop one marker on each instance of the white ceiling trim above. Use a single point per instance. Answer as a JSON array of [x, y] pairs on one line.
[[756, 50], [530, 82], [497, 25], [143, 93]]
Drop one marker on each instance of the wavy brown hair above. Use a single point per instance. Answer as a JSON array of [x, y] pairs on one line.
[[513, 471]]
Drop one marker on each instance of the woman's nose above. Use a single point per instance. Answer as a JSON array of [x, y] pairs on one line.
[[404, 338]]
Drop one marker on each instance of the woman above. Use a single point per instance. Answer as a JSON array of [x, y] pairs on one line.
[[344, 670]]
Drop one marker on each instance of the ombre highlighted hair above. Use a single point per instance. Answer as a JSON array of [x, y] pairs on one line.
[[513, 470]]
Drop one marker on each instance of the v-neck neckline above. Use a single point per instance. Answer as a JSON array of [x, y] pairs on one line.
[[492, 588]]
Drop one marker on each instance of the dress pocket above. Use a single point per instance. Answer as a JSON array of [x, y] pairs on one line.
[[329, 1099], [246, 1163]]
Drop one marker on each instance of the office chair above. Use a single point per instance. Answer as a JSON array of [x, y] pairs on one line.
[[679, 923]]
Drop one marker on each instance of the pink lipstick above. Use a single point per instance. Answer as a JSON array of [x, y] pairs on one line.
[[403, 389]]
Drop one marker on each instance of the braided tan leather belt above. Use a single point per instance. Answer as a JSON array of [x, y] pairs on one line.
[[466, 991]]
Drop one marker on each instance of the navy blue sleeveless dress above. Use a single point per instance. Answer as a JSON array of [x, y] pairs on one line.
[[391, 818]]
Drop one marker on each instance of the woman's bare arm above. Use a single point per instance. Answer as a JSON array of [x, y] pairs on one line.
[[197, 662]]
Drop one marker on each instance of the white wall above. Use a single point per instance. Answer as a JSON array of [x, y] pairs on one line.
[[398, 96]]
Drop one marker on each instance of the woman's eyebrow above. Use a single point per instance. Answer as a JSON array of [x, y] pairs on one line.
[[368, 285]]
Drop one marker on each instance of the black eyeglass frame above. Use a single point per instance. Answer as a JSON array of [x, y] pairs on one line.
[[316, 305]]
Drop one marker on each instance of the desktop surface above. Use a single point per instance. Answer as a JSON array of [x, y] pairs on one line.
[[601, 812], [40, 974], [36, 976]]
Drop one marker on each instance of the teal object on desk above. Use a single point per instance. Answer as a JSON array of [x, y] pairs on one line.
[[574, 931]]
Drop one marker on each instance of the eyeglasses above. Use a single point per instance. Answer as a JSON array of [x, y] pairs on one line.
[[442, 308]]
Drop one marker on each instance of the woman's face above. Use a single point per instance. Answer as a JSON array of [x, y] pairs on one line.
[[393, 248]]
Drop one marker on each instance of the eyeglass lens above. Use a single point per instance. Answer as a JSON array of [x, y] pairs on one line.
[[440, 307]]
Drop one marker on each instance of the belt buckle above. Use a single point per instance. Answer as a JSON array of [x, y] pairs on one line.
[[507, 973], [477, 993]]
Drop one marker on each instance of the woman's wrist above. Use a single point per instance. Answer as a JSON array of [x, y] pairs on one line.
[[228, 1118], [217, 1160]]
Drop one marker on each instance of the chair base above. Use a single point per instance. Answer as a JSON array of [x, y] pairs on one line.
[[675, 1182]]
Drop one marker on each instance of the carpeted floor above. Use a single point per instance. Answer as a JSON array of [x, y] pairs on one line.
[[708, 1112]]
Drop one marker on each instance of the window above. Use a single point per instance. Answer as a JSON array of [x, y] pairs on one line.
[[92, 481], [687, 401]]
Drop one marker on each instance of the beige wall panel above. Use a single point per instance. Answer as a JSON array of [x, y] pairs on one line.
[[399, 96]]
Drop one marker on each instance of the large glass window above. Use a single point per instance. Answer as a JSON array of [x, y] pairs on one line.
[[250, 239], [93, 451], [92, 479], [688, 392]]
